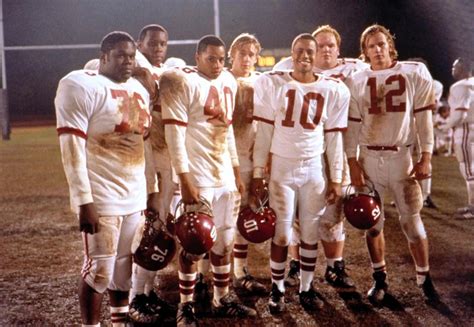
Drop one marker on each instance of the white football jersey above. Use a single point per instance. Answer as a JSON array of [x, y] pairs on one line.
[[244, 126], [197, 113], [301, 114], [345, 67], [101, 125], [384, 104], [461, 97]]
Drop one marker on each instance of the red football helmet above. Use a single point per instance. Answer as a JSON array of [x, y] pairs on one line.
[[157, 247], [195, 228], [362, 208], [257, 226]]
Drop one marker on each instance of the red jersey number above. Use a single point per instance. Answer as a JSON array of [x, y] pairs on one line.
[[213, 108], [134, 118], [308, 97], [376, 100]]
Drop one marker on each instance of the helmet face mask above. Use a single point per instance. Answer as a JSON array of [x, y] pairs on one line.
[[259, 225], [362, 208], [194, 228]]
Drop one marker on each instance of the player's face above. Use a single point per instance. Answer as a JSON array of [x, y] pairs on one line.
[[211, 61], [327, 50], [244, 60], [303, 55], [118, 63], [378, 51], [457, 70], [154, 46]]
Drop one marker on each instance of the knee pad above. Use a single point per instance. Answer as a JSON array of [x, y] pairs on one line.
[[413, 228], [97, 273], [282, 240], [224, 243]]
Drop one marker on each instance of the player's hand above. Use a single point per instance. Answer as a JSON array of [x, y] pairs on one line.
[[333, 193], [88, 218], [153, 204], [356, 171], [422, 169], [257, 192], [189, 193]]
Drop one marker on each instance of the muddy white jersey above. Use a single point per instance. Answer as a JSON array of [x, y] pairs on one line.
[[101, 125], [244, 126], [197, 113], [345, 67], [390, 106], [300, 113]]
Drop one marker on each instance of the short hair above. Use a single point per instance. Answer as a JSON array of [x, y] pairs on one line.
[[208, 40], [150, 27], [466, 64], [374, 29], [110, 40], [242, 39], [328, 29], [302, 36]]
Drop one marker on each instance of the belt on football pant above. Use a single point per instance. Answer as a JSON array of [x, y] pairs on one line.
[[384, 147]]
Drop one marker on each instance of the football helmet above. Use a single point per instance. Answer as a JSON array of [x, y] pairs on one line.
[[259, 225], [362, 206], [157, 247], [195, 227]]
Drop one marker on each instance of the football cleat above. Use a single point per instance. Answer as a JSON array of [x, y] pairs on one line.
[[429, 290], [362, 208], [139, 310], [337, 276], [163, 311], [377, 292], [230, 306], [249, 284], [185, 316], [310, 301], [276, 302], [293, 277], [202, 297], [428, 203]]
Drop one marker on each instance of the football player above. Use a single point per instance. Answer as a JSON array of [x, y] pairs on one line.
[[461, 102], [391, 105], [328, 63], [301, 116], [197, 105], [146, 305], [102, 118], [243, 54]]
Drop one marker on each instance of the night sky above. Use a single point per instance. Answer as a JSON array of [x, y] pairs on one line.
[[437, 30]]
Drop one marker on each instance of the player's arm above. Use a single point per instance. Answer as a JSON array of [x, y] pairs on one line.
[[174, 96], [459, 99], [424, 104], [351, 137], [334, 127], [73, 111], [234, 158], [265, 117]]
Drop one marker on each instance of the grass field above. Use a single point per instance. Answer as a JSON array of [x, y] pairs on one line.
[[41, 256]]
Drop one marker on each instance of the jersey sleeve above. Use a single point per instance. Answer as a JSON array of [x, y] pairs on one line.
[[351, 137], [459, 102], [265, 117], [423, 105], [73, 105], [175, 95], [333, 128]]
